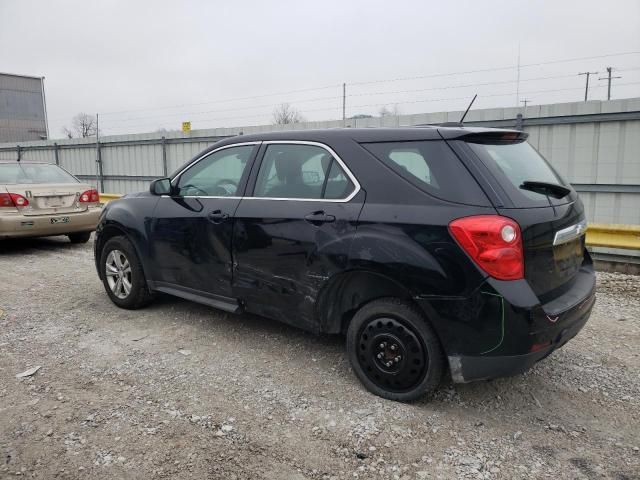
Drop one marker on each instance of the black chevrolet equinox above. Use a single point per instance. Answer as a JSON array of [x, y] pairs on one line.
[[432, 249]]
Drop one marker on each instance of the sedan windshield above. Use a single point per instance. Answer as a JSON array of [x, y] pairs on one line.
[[30, 173]]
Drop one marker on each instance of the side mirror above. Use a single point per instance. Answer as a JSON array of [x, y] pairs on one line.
[[160, 186]]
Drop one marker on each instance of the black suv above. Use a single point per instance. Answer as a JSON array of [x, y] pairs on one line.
[[432, 249]]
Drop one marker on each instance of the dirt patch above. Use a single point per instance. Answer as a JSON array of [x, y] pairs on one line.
[[179, 390]]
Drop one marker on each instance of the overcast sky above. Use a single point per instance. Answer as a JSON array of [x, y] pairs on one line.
[[158, 63]]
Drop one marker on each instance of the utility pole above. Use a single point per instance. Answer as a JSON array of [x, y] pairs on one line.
[[608, 78], [99, 181], [344, 104], [525, 102], [586, 88], [518, 79]]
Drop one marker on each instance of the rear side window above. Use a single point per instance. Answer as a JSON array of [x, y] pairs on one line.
[[31, 173], [432, 167], [515, 163], [301, 172]]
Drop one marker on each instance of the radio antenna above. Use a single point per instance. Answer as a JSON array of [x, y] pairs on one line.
[[467, 110]]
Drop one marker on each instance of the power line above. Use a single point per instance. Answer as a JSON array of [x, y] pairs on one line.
[[191, 113], [495, 69], [431, 100], [253, 107], [448, 87], [337, 86], [492, 95], [236, 99]]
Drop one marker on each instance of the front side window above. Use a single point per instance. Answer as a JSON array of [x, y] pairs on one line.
[[217, 175], [31, 173], [302, 172]]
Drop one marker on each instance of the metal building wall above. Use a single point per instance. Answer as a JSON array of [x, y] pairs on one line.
[[595, 145], [22, 108]]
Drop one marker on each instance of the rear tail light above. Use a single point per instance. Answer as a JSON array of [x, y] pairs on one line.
[[493, 242], [90, 196], [13, 200], [5, 200]]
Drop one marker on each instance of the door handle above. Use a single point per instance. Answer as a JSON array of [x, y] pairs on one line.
[[320, 217], [217, 216]]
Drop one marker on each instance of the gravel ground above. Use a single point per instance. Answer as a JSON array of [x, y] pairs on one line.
[[179, 390]]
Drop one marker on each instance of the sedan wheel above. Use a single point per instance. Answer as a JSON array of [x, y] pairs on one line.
[[118, 273]]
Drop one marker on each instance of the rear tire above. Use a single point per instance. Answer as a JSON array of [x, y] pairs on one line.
[[394, 351], [122, 274], [82, 237]]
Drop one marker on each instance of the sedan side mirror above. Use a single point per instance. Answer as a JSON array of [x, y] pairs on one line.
[[161, 186]]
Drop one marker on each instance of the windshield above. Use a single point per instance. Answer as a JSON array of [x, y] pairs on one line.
[[30, 173], [516, 163]]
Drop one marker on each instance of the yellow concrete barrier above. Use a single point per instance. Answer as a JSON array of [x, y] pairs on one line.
[[107, 197], [613, 236]]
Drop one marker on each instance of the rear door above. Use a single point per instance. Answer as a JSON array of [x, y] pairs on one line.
[[549, 213], [294, 232], [190, 233]]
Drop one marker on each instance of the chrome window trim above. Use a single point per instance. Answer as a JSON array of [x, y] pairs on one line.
[[348, 172], [570, 233], [198, 160], [353, 179]]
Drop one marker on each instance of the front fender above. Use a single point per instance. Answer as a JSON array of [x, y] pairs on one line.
[[130, 217]]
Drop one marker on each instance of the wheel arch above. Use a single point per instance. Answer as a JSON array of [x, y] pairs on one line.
[[347, 292], [106, 233]]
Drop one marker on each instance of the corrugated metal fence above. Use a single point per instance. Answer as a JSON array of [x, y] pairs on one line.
[[595, 145], [115, 164]]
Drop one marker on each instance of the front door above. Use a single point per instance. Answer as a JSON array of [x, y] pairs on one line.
[[293, 233], [191, 230]]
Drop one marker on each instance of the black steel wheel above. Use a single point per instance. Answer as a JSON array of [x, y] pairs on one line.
[[394, 351]]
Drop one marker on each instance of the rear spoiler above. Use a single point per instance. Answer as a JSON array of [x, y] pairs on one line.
[[487, 136]]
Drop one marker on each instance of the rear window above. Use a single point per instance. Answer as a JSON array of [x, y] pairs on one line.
[[515, 163], [432, 167], [30, 173]]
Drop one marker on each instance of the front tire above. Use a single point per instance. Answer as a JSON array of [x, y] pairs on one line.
[[394, 351], [122, 274]]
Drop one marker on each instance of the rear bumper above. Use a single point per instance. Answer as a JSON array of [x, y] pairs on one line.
[[20, 226], [471, 368]]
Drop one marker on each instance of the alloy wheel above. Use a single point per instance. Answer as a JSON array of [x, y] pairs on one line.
[[118, 273]]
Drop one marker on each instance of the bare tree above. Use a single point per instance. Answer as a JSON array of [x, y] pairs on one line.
[[285, 114], [386, 112], [82, 125]]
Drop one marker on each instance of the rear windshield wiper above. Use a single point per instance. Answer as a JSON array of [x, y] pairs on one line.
[[551, 189]]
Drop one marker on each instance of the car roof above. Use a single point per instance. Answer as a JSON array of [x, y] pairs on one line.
[[374, 134]]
